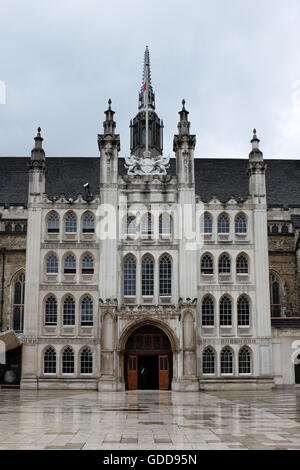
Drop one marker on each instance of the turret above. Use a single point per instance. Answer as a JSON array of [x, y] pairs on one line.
[[109, 146], [37, 168], [256, 169], [184, 146]]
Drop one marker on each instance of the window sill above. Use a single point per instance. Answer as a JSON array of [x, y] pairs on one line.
[[244, 327], [207, 327], [49, 374], [227, 327]]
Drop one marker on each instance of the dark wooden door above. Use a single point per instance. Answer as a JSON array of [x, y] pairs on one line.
[[163, 370], [132, 376]]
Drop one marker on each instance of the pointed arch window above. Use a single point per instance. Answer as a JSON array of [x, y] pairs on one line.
[[52, 264], [165, 276], [244, 361], [51, 311], [275, 296], [226, 361], [207, 311], [69, 311], [130, 228], [207, 266], [87, 311], [165, 225], [243, 309], [130, 276], [147, 225], [53, 223], [206, 224], [208, 361], [87, 264], [18, 302], [68, 362], [147, 276], [50, 361], [223, 224], [242, 265], [88, 223], [86, 361], [70, 223], [240, 224], [225, 311], [70, 264], [224, 264]]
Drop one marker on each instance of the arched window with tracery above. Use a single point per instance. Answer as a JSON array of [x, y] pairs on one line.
[[51, 311], [275, 295], [52, 264], [18, 302], [207, 265], [88, 223], [130, 225], [165, 225], [130, 276], [69, 311], [242, 265], [206, 224], [165, 276], [70, 264], [86, 361], [225, 311], [87, 265], [147, 225], [68, 362], [223, 224], [208, 361], [50, 361], [224, 264], [86, 313], [53, 223], [243, 309], [208, 316], [240, 224], [244, 361], [70, 223], [147, 276], [226, 361]]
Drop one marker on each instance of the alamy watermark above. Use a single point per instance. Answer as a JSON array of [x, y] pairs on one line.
[[140, 221]]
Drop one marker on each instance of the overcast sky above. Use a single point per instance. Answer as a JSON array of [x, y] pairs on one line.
[[236, 63]]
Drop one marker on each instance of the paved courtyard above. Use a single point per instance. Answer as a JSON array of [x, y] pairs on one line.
[[150, 420]]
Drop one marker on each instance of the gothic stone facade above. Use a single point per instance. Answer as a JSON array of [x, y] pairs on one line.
[[199, 306]]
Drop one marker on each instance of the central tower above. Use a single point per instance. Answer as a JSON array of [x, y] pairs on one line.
[[138, 124]]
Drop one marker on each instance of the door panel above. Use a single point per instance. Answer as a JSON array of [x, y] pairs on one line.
[[163, 367], [132, 369]]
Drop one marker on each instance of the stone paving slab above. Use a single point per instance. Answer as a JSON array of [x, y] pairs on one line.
[[166, 421]]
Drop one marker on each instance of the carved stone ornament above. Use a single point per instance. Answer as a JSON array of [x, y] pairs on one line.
[[147, 165]]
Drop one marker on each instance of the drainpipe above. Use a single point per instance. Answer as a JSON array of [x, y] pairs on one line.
[[3, 253]]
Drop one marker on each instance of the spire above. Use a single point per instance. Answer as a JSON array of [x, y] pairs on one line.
[[109, 124], [184, 124], [38, 153], [146, 85], [147, 71]]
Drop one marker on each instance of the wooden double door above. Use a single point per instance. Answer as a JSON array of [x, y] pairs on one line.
[[148, 372]]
